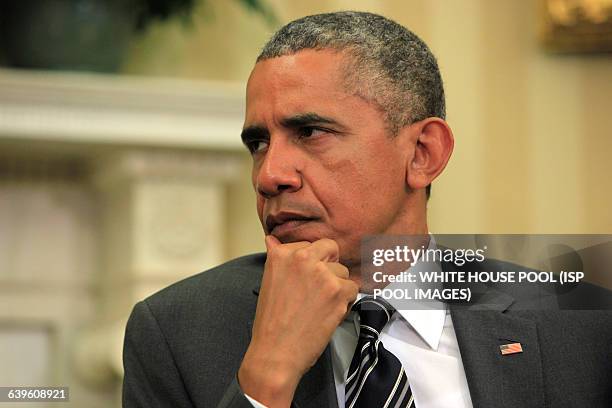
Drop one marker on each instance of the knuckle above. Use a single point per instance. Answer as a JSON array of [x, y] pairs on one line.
[[334, 289], [276, 253], [330, 243], [320, 267], [301, 255], [271, 253]]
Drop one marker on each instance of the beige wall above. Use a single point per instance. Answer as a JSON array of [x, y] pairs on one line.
[[532, 129]]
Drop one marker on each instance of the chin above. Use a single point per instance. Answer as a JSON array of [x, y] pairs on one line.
[[303, 233], [287, 238]]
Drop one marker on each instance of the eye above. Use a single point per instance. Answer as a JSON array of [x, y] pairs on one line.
[[256, 146], [311, 131]]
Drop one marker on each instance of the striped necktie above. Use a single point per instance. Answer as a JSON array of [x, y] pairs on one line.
[[376, 378]]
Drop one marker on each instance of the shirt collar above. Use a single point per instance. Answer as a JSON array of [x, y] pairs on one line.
[[428, 323]]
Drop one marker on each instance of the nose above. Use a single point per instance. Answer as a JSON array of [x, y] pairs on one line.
[[278, 172]]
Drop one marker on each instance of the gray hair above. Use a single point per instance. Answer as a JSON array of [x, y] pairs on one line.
[[389, 65]]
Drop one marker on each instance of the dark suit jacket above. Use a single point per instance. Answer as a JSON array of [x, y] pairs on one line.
[[184, 345]]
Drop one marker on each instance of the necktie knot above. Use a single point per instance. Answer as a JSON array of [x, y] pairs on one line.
[[375, 377], [374, 315]]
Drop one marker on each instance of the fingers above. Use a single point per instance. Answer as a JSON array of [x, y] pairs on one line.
[[325, 250], [349, 289], [338, 269], [271, 242]]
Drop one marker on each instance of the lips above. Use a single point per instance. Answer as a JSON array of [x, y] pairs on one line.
[[285, 221]]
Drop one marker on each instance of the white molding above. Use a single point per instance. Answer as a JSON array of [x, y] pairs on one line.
[[120, 110], [148, 210]]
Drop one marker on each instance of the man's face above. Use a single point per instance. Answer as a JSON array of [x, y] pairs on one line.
[[324, 165]]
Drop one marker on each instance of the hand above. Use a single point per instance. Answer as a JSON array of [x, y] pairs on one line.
[[305, 294]]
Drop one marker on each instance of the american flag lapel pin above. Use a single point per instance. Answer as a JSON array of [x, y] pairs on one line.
[[511, 348]]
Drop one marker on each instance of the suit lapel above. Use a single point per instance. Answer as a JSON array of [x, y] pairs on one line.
[[495, 380]]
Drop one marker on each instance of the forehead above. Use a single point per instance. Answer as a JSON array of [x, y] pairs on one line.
[[302, 68], [298, 81]]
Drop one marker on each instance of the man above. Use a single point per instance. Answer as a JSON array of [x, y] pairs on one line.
[[345, 124]]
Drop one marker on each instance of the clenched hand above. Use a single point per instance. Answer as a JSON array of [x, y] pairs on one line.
[[305, 294]]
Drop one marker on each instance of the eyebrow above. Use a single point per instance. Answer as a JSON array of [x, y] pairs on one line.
[[255, 132], [259, 132], [304, 119]]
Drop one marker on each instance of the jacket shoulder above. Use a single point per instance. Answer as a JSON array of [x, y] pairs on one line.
[[190, 337], [232, 281]]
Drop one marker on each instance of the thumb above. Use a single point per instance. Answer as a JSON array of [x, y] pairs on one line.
[[271, 242]]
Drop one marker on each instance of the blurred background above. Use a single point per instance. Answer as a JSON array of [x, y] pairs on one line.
[[121, 168]]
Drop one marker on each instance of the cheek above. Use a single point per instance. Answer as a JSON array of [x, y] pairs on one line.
[[260, 202], [260, 206], [347, 193], [259, 199], [365, 192], [254, 172], [369, 179]]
